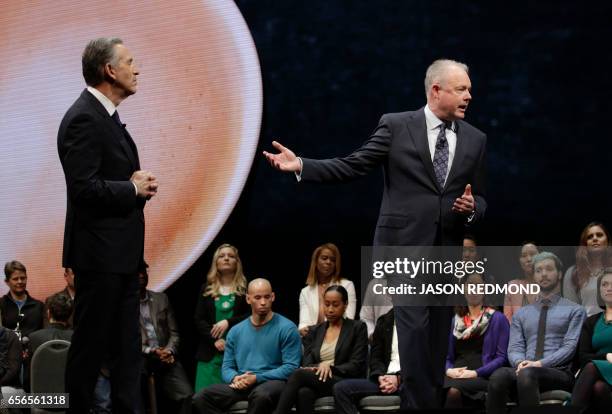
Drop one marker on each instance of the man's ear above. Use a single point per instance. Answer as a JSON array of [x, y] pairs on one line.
[[109, 71], [272, 297], [435, 90], [248, 298]]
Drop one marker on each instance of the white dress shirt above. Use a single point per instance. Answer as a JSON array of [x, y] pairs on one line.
[[106, 103], [110, 108], [433, 129]]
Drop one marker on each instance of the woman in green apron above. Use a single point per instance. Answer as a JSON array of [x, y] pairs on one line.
[[221, 305]]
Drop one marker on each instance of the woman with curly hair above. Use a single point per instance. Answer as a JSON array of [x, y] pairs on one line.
[[592, 256], [221, 305]]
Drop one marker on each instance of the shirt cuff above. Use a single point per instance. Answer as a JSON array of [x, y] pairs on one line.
[[298, 175], [471, 216], [135, 187]]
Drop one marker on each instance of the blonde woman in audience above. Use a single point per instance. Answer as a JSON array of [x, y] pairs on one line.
[[513, 302], [592, 256], [221, 305], [325, 267]]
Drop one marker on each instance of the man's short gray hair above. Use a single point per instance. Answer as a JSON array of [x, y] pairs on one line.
[[436, 71], [98, 53]]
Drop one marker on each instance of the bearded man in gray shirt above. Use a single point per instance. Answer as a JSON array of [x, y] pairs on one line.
[[543, 340]]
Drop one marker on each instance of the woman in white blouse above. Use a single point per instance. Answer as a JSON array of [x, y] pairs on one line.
[[325, 266]]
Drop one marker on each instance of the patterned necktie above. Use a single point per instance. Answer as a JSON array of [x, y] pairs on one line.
[[539, 352], [440, 160]]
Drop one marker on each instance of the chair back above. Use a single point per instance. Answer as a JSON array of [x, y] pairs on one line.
[[48, 366]]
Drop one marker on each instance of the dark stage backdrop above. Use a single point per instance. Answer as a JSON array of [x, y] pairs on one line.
[[541, 91]]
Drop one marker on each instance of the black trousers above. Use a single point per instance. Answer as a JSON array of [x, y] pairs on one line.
[[106, 320], [217, 398], [422, 333], [302, 389], [527, 385]]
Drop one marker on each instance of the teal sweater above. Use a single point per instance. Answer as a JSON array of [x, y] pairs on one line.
[[271, 352]]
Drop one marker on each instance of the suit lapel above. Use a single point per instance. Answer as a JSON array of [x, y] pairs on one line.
[[417, 128], [126, 142], [318, 341], [153, 314], [344, 333], [459, 155], [135, 160], [121, 135]]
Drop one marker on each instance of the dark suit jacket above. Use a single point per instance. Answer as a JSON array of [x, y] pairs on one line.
[[586, 352], [414, 209], [382, 341], [104, 229], [10, 358], [351, 349], [164, 322], [205, 319]]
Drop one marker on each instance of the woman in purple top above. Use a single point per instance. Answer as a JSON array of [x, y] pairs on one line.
[[478, 345]]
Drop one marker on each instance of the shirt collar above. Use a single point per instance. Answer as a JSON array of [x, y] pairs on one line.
[[146, 298], [554, 299], [433, 122], [103, 99]]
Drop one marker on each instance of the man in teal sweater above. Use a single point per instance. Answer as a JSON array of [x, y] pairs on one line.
[[260, 354]]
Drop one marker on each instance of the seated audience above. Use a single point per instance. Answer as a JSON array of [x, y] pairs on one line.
[[68, 291], [325, 267], [469, 252], [59, 310], [592, 256], [594, 384], [374, 306], [477, 347], [20, 312], [160, 342], [514, 301], [543, 339], [221, 305], [334, 350], [10, 359], [260, 354], [384, 369]]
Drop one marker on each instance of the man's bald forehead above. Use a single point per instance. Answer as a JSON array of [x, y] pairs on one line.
[[259, 283]]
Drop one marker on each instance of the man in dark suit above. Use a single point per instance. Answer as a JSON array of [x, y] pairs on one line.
[[434, 186], [160, 342], [104, 232]]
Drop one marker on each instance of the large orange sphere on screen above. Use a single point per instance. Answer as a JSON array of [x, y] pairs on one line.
[[195, 119]]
